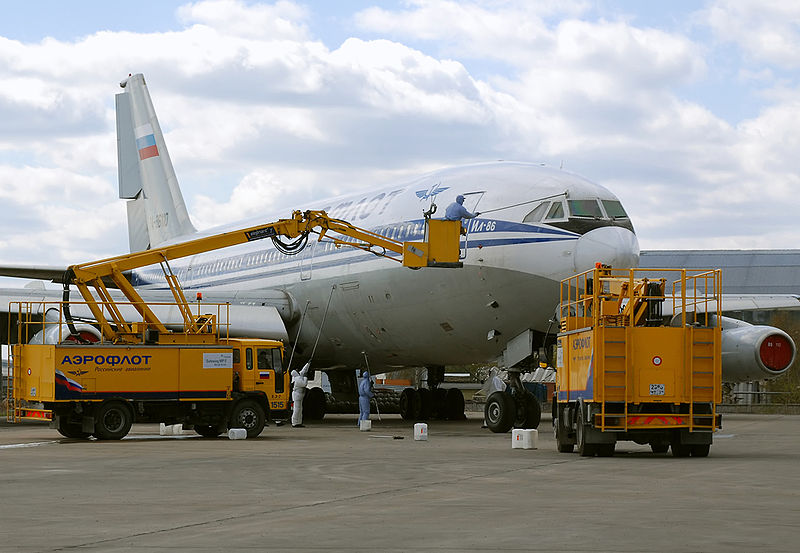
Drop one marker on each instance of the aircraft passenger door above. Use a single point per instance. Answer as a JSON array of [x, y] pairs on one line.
[[307, 260], [471, 201]]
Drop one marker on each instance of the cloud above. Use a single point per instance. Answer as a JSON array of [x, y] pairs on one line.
[[766, 31], [260, 116]]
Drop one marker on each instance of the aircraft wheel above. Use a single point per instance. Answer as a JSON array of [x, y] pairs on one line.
[[314, 404], [112, 421], [700, 450], [425, 403], [455, 404], [409, 404], [439, 403], [499, 412], [528, 411], [249, 415]]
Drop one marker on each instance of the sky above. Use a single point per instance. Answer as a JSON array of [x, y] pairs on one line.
[[688, 111]]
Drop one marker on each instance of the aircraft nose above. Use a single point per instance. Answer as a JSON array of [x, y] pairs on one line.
[[614, 246]]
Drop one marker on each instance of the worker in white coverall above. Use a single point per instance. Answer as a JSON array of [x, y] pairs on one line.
[[365, 393], [299, 384]]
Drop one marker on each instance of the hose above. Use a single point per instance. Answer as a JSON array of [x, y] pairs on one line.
[[564, 193], [291, 248], [66, 280]]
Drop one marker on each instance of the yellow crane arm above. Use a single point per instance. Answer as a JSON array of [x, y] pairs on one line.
[[439, 249]]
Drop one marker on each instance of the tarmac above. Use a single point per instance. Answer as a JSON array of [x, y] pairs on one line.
[[329, 487]]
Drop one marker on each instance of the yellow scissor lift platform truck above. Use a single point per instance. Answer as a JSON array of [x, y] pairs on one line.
[[625, 371], [122, 363], [205, 379]]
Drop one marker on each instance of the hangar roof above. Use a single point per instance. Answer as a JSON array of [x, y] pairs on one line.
[[743, 271]]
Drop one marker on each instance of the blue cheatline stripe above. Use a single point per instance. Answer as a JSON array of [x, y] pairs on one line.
[[290, 267], [145, 141]]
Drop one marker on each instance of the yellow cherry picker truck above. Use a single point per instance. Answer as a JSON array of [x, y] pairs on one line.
[[627, 371], [131, 366]]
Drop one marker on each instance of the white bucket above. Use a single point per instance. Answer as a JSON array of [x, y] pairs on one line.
[[524, 438], [170, 429], [237, 434], [421, 431], [365, 425]]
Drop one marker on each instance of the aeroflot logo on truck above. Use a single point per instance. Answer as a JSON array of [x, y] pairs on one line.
[[112, 361], [582, 343]]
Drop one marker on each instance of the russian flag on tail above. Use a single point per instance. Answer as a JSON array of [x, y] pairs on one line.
[[146, 141]]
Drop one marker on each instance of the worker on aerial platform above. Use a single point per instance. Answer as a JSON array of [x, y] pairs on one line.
[[456, 210], [299, 384]]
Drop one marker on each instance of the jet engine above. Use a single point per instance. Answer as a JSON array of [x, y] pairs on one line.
[[51, 335], [55, 333], [754, 352]]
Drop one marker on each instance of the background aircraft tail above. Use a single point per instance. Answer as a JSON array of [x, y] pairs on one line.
[[156, 210]]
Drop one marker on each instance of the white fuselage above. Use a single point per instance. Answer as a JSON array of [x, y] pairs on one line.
[[433, 316]]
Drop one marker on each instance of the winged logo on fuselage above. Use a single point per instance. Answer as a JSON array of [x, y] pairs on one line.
[[431, 192]]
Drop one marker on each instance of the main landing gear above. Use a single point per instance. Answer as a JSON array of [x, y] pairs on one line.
[[433, 402], [514, 408]]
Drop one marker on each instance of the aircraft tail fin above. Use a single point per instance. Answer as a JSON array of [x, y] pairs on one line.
[[156, 210]]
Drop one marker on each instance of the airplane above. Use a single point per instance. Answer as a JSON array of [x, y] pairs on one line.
[[338, 308]]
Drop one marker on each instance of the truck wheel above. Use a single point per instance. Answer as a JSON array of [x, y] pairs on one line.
[[499, 412], [249, 415], [72, 430], [700, 450], [605, 450], [680, 450], [659, 447], [562, 443], [112, 421], [207, 430], [584, 449]]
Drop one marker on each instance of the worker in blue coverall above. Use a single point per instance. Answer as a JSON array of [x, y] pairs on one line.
[[365, 393], [456, 210]]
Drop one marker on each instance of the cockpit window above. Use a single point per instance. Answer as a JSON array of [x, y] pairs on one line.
[[585, 208], [556, 211], [614, 209], [537, 213]]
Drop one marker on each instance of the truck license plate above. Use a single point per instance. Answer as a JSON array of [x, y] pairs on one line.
[[657, 389]]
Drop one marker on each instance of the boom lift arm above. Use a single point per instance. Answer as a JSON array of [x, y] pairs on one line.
[[440, 248]]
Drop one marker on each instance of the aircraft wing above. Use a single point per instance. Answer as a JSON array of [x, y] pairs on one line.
[[256, 315], [744, 302], [37, 272]]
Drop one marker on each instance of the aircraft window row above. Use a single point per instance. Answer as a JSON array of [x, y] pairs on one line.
[[400, 232]]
